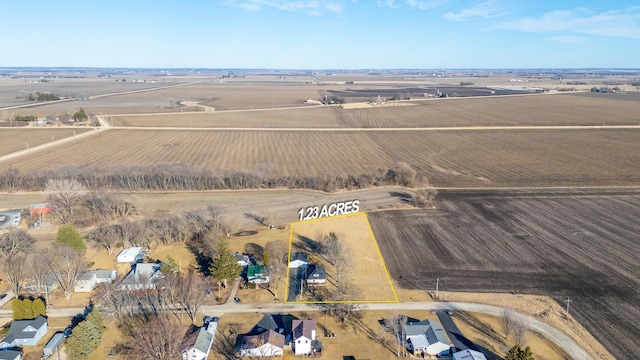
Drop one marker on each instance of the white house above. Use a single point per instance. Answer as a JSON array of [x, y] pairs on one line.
[[304, 336], [129, 255], [298, 260], [141, 276], [469, 355], [268, 343], [426, 338], [88, 281], [25, 332], [197, 341], [243, 260]]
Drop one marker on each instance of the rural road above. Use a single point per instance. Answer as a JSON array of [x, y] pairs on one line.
[[558, 337]]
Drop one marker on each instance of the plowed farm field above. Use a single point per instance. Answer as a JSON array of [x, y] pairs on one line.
[[529, 110], [295, 117], [449, 159], [584, 246], [535, 110], [16, 139]]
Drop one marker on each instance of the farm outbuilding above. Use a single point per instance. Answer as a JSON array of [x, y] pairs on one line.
[[42, 209], [53, 344], [129, 255]]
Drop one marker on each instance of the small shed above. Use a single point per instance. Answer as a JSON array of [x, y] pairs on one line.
[[299, 260], [42, 209], [53, 344], [129, 255]]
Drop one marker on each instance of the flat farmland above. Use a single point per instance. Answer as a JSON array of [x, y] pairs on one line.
[[295, 117], [583, 246], [16, 139], [495, 158], [536, 110]]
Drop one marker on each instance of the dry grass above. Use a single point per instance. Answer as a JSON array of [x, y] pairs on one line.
[[368, 273]]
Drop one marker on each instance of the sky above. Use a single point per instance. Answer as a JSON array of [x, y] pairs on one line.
[[317, 34]]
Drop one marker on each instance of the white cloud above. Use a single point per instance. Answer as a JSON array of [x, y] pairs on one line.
[[388, 3], [487, 9], [614, 23], [569, 39], [310, 7], [426, 5]]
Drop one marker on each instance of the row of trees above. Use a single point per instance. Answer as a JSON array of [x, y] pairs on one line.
[[172, 176], [87, 334], [28, 307]]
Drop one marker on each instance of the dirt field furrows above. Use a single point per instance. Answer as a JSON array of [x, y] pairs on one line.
[[449, 159], [16, 139], [316, 117], [561, 109], [584, 246]]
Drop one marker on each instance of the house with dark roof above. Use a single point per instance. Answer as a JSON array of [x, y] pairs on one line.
[[280, 323], [268, 343], [304, 337], [10, 355], [426, 338], [25, 332], [316, 275], [197, 340]]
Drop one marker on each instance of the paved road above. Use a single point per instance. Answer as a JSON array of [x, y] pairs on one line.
[[562, 340]]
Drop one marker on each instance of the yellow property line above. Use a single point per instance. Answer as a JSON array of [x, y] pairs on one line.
[[384, 265]]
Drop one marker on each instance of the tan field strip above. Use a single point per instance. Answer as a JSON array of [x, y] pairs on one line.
[[16, 139], [368, 272]]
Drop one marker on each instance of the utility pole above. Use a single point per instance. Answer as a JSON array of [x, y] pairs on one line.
[[568, 301], [437, 285]]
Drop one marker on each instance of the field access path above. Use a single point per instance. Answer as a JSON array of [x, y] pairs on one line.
[[558, 337]]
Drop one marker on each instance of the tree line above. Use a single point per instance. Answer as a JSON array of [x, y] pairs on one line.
[[178, 177]]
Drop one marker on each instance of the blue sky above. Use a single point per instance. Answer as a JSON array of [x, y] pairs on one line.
[[316, 34]]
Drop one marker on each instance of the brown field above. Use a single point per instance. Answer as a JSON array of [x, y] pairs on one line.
[[369, 275], [16, 139], [579, 245], [448, 158], [296, 117]]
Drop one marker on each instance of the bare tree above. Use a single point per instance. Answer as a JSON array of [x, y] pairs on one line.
[[395, 325], [425, 198], [508, 316], [160, 340], [66, 265], [14, 242], [14, 267], [106, 206], [278, 251], [38, 270], [106, 236], [191, 292], [520, 326], [66, 194]]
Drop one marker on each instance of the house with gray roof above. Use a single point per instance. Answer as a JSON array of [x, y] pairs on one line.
[[142, 276], [299, 260], [10, 355], [268, 343], [316, 275], [25, 332], [469, 355], [88, 280], [197, 341], [304, 337], [426, 338]]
